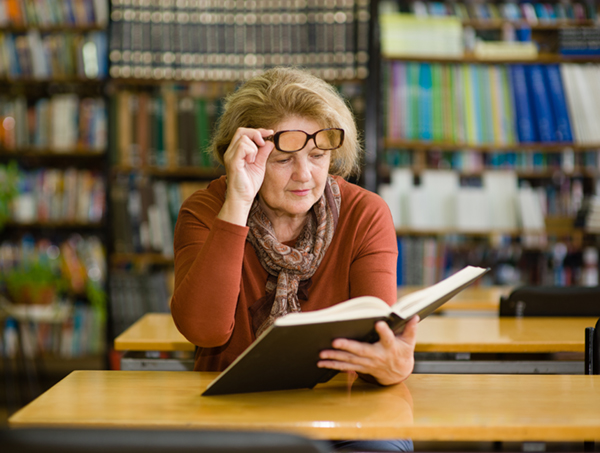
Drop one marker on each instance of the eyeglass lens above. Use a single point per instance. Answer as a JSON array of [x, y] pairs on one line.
[[326, 139]]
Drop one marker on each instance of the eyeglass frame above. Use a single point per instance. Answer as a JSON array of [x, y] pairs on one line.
[[275, 139]]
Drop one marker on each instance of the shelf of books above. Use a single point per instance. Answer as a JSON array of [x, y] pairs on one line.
[[53, 164], [489, 154]]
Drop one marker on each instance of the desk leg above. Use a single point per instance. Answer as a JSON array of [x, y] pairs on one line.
[[10, 378], [29, 365]]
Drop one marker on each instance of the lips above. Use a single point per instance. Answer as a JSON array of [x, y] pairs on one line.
[[301, 193]]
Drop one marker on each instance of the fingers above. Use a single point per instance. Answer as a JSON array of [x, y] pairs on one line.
[[386, 335], [409, 335], [389, 361], [246, 144]]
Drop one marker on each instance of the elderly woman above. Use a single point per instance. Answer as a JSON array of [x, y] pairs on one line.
[[283, 231]]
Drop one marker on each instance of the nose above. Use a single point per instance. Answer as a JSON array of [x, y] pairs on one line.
[[301, 169]]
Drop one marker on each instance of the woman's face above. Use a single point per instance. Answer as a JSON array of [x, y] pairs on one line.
[[295, 181]]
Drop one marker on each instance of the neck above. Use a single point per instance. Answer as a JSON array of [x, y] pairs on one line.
[[286, 227], [286, 232]]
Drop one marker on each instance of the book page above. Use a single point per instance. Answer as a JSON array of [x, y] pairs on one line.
[[356, 308], [412, 303]]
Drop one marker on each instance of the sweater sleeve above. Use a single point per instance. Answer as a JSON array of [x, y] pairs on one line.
[[209, 254], [373, 267]]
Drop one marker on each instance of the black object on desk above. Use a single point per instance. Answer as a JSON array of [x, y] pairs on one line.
[[44, 440], [592, 349], [552, 301]]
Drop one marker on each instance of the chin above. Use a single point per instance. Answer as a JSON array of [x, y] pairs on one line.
[[299, 208]]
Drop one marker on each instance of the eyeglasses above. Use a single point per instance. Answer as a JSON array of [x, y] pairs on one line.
[[292, 141]]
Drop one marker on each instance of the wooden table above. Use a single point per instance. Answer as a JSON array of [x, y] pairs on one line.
[[502, 334], [426, 407], [153, 332], [460, 337], [536, 345], [476, 299]]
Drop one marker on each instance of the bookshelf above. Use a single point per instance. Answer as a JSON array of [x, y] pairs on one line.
[[161, 70], [53, 151], [452, 108]]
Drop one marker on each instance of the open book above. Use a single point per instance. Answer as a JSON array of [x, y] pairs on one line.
[[285, 356]]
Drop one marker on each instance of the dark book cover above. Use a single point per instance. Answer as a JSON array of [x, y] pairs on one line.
[[285, 356]]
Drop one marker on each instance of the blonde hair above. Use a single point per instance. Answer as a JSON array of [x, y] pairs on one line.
[[279, 93]]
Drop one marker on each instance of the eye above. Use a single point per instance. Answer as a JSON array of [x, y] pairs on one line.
[[317, 155]]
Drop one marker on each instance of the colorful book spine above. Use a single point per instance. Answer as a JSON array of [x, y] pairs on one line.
[[524, 117], [556, 94], [542, 112], [425, 125]]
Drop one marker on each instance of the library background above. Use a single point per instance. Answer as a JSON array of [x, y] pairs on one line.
[[478, 118]]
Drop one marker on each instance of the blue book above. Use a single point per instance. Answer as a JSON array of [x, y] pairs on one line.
[[543, 117], [556, 93], [478, 99], [100, 40], [14, 67], [425, 126], [399, 269], [525, 129]]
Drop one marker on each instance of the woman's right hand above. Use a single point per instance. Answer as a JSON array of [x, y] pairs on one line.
[[245, 163]]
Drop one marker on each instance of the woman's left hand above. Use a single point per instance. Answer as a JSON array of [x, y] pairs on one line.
[[389, 361]]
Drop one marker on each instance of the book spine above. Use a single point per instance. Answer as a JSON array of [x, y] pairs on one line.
[[542, 113], [524, 118], [559, 106], [425, 102]]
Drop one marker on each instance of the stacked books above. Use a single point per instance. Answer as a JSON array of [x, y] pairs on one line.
[[495, 105], [215, 40], [61, 123], [144, 212], [42, 56], [531, 12], [57, 195], [579, 42], [164, 130]]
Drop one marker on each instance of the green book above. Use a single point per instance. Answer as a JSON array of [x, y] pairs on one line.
[[160, 158], [412, 104], [203, 132]]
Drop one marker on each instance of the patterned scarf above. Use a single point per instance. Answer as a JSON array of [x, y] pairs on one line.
[[291, 268]]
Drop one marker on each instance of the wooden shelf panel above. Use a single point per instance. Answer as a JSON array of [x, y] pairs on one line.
[[542, 174], [496, 24], [177, 172], [140, 259], [420, 145], [554, 226], [53, 80], [66, 28], [54, 224], [51, 153], [470, 58]]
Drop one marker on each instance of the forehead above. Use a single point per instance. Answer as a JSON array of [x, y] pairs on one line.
[[298, 123]]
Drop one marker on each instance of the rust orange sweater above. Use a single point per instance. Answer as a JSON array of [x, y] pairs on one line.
[[218, 275]]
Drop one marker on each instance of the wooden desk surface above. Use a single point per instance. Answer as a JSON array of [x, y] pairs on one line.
[[502, 334], [474, 298], [153, 332], [157, 332], [425, 407]]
